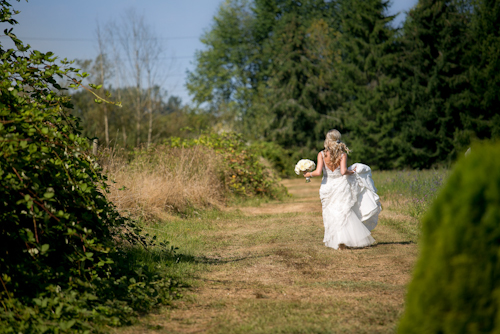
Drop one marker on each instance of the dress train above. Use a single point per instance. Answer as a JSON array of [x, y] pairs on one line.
[[350, 207]]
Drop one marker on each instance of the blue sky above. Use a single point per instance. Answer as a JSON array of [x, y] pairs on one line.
[[67, 28]]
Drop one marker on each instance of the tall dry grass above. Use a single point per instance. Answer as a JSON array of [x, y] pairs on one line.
[[163, 181]]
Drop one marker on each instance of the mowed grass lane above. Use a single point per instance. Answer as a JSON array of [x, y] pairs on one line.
[[264, 269]]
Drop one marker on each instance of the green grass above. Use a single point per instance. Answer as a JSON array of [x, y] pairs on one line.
[[190, 239], [410, 228], [323, 315], [411, 191], [256, 201], [409, 183]]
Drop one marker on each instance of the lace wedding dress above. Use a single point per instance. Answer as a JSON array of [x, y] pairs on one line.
[[350, 207]]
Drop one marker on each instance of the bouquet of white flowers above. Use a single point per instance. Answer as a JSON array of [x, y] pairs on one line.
[[304, 166]]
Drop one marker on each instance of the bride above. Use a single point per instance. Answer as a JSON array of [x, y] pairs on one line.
[[349, 198]]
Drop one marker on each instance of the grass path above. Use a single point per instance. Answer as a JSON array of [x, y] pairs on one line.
[[264, 269]]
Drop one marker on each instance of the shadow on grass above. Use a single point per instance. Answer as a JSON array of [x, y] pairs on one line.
[[394, 243], [213, 260], [382, 244], [171, 256]]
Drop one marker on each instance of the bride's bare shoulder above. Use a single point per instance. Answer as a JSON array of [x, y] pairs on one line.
[[320, 157]]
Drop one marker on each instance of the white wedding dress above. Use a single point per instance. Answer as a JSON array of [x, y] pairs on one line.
[[350, 207]]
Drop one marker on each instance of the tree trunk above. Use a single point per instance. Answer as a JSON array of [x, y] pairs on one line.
[[104, 70], [140, 48], [95, 144], [150, 129], [124, 136], [138, 119], [138, 102], [106, 125]]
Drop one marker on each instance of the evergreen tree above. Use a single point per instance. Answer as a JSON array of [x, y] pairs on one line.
[[244, 47], [288, 70], [369, 84], [482, 117], [434, 74], [455, 283], [299, 98], [300, 95]]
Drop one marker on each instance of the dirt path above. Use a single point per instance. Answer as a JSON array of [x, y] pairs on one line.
[[268, 271]]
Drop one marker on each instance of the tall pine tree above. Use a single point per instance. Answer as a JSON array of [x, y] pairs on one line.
[[296, 101], [249, 52], [371, 106], [481, 119], [300, 95], [434, 74]]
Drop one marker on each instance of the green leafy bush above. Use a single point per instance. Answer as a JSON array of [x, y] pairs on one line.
[[456, 283], [279, 157], [243, 174], [64, 249]]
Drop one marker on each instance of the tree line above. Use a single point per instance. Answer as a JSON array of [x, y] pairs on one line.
[[130, 67], [410, 96]]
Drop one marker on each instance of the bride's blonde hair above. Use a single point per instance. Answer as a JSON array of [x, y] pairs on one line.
[[335, 147]]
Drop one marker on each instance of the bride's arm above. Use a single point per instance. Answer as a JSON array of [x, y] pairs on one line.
[[343, 166], [319, 167]]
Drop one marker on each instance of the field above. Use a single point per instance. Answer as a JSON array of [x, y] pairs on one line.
[[261, 267]]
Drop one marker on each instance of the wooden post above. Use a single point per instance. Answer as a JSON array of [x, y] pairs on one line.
[[95, 143]]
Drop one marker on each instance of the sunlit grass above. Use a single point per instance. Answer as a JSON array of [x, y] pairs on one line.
[[408, 227], [412, 192]]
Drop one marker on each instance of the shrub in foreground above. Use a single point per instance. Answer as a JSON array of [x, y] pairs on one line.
[[65, 263], [456, 283]]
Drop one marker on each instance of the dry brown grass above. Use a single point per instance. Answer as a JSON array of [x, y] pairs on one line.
[[163, 181]]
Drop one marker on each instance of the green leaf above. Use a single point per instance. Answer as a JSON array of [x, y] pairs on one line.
[[48, 194], [32, 148], [44, 248], [83, 186], [65, 325]]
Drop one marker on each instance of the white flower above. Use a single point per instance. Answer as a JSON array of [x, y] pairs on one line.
[[304, 165], [10, 89], [33, 251]]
